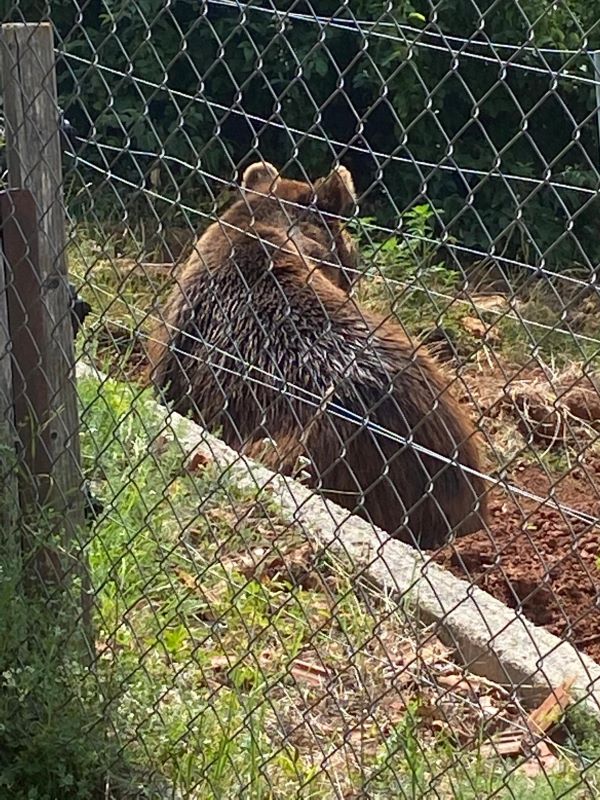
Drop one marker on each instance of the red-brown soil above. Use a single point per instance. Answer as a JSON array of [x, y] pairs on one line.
[[539, 558]]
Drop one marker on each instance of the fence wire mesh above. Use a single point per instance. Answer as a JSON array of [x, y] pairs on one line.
[[333, 292]]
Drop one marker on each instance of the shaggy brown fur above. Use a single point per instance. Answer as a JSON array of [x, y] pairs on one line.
[[256, 291]]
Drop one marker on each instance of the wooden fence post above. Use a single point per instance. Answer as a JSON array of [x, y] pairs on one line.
[[46, 414]]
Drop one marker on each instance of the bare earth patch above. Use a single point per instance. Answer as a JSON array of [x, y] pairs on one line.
[[544, 427]]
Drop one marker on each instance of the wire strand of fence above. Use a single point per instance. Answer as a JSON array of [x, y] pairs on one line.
[[558, 185], [163, 156], [344, 414], [498, 62], [470, 303], [149, 316], [356, 23], [407, 285], [316, 401], [537, 270]]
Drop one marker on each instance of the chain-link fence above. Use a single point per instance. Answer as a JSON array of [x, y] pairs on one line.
[[299, 417]]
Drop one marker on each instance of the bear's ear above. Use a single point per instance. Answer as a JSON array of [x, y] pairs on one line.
[[260, 176], [336, 193]]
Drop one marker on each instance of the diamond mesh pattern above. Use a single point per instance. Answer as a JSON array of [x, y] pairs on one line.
[[253, 632]]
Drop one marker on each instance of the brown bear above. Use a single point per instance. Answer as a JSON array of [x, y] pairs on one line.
[[262, 341]]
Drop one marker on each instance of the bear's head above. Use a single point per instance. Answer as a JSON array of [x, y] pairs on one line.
[[312, 215]]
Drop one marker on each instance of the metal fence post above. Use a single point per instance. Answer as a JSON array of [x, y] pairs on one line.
[[8, 475], [596, 60]]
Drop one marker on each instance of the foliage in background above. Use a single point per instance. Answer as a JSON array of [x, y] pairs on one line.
[[303, 77]]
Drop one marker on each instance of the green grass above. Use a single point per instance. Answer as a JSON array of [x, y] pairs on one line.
[[208, 603], [52, 742], [408, 278], [235, 658]]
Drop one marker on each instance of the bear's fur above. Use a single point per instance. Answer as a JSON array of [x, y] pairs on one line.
[[263, 295]]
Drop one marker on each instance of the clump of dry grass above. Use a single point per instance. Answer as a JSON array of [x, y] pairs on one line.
[[533, 411], [556, 407]]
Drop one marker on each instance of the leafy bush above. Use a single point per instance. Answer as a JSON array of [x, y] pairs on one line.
[[51, 736], [221, 69]]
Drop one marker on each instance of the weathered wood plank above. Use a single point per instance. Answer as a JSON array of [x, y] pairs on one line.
[[34, 163]]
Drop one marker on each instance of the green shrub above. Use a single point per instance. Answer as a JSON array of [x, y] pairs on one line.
[[289, 72], [51, 737]]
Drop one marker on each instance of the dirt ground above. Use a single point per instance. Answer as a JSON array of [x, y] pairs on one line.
[[535, 556]]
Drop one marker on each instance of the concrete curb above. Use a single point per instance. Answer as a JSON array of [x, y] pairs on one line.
[[491, 639]]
